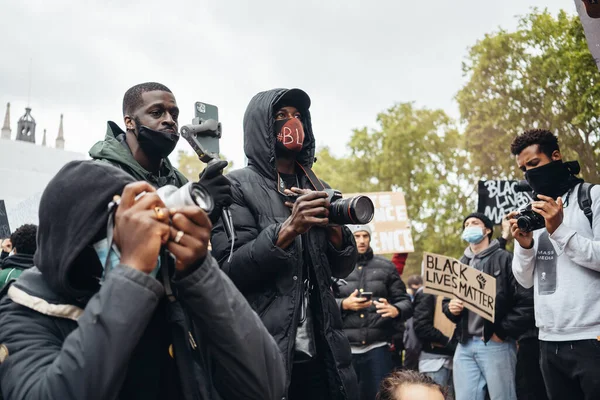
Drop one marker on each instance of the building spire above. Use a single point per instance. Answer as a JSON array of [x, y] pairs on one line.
[[6, 127], [60, 139], [44, 139]]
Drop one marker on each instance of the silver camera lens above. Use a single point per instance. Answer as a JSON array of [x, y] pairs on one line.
[[190, 194]]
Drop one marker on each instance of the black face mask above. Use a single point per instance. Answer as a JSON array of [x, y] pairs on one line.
[[553, 179], [3, 254], [156, 144]]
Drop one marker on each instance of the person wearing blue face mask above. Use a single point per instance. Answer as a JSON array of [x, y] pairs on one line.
[[486, 355], [98, 317]]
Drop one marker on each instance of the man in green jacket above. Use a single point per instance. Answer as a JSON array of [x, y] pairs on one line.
[[23, 248], [150, 114]]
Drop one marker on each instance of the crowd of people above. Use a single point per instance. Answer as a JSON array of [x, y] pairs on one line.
[[117, 294]]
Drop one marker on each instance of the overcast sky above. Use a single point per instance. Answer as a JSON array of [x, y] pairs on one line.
[[354, 58]]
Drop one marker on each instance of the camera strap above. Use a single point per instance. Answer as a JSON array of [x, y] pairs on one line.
[[312, 178]]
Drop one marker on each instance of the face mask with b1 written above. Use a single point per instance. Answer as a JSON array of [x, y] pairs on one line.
[[290, 134], [473, 234], [112, 253]]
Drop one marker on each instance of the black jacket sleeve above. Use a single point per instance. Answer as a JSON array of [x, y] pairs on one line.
[[454, 318], [255, 259], [520, 315], [423, 320], [248, 362], [398, 296], [342, 262], [87, 364]]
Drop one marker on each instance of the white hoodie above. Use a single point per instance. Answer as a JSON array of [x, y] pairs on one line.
[[567, 298]]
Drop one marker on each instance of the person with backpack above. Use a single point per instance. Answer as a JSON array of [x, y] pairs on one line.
[[23, 248], [561, 261]]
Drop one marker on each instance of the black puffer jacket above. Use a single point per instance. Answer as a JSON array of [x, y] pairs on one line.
[[378, 275], [430, 337], [514, 304], [270, 277]]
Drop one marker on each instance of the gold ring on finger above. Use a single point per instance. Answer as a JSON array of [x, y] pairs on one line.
[[160, 214], [178, 236]]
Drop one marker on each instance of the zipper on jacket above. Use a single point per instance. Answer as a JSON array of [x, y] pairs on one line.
[[192, 341]]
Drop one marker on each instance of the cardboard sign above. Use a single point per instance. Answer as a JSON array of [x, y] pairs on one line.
[[4, 226], [448, 277], [440, 321], [498, 198], [390, 225]]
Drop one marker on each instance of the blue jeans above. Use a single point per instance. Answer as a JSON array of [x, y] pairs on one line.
[[477, 365], [441, 376], [371, 367]]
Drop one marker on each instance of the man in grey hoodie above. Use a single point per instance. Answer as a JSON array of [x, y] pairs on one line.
[[486, 354], [561, 261]]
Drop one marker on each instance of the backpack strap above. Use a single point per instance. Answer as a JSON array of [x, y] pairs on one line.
[[584, 198]]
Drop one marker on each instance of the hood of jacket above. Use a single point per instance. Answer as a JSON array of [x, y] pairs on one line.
[[74, 212], [114, 149], [21, 261], [259, 135]]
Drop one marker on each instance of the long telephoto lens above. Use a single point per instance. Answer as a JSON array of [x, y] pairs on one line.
[[357, 210]]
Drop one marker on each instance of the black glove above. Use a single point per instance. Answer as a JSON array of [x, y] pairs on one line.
[[219, 187]]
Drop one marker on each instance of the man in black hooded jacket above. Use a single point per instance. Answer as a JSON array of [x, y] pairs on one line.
[[104, 316], [285, 254]]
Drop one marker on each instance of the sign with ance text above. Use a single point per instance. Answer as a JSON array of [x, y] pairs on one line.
[[390, 225]]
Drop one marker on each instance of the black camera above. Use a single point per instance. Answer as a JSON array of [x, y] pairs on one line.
[[357, 210], [529, 221]]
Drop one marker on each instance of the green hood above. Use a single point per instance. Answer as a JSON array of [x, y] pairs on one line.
[[114, 150]]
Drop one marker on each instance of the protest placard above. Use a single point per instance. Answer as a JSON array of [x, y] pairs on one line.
[[440, 321], [390, 225], [448, 277], [498, 198], [4, 226]]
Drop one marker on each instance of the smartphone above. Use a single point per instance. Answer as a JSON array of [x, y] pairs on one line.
[[204, 132], [367, 295]]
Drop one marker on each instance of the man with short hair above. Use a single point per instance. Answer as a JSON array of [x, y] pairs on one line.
[[23, 248], [106, 313], [561, 261], [150, 114], [486, 354], [372, 323]]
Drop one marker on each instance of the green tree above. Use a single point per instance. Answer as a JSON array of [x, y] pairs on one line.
[[190, 165], [542, 75], [418, 151]]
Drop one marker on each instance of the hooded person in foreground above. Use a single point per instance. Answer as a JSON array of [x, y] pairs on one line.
[[286, 251], [124, 321]]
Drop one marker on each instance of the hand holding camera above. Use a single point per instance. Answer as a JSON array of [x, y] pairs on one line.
[[189, 237], [551, 210], [310, 209], [145, 218], [543, 212]]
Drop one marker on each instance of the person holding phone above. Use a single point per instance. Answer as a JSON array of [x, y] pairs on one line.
[[374, 306], [150, 115]]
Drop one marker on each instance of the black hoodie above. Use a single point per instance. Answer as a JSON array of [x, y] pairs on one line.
[[272, 278], [70, 338], [85, 204], [20, 261]]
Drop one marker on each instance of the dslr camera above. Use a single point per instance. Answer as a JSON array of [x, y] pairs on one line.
[[528, 220], [357, 210], [190, 194]]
